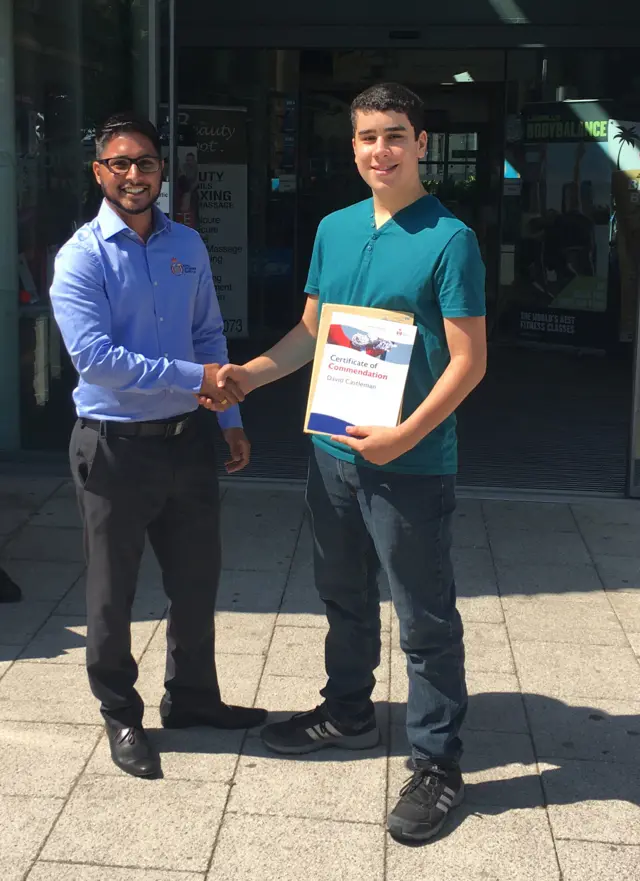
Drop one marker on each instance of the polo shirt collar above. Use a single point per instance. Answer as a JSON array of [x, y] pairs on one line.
[[111, 223]]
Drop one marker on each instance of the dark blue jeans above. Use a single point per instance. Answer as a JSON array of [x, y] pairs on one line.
[[364, 519]]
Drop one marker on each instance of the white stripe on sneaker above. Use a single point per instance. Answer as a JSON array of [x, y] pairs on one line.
[[332, 729], [446, 799], [450, 792], [313, 734], [443, 806]]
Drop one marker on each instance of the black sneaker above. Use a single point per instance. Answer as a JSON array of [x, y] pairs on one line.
[[307, 732], [425, 802]]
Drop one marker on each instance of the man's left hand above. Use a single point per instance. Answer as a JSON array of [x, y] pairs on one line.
[[376, 444], [239, 449]]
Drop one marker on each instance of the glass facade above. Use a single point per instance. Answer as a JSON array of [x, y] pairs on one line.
[[533, 148], [75, 63]]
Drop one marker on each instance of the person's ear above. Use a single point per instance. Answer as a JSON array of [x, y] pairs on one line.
[[422, 145]]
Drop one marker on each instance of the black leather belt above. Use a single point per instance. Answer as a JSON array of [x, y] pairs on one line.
[[163, 428]]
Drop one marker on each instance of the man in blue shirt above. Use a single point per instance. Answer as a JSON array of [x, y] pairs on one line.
[[134, 299], [383, 498]]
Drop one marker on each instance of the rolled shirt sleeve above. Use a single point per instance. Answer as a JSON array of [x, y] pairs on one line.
[[82, 312]]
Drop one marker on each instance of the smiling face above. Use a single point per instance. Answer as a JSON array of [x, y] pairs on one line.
[[387, 150], [134, 192]]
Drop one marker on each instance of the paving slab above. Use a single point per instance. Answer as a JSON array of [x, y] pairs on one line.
[[201, 753], [618, 573], [47, 692], [481, 610], [63, 640], [587, 671], [19, 622], [521, 546], [606, 731], [150, 603], [331, 784], [539, 517], [474, 572], [103, 807], [568, 618], [59, 511], [48, 871], [533, 579], [43, 759], [592, 861], [254, 592], [626, 605], [299, 651], [617, 539], [593, 801], [43, 582], [238, 675], [24, 825], [288, 849], [469, 530], [493, 844], [11, 520], [268, 541], [606, 512], [50, 544], [495, 703], [26, 493], [487, 648], [8, 654]]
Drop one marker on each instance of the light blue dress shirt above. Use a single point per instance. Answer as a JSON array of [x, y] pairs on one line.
[[138, 320]]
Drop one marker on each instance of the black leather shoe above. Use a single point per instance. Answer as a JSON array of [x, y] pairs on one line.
[[9, 590], [132, 752], [220, 716]]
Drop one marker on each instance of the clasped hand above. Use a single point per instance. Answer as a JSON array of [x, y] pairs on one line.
[[229, 386], [218, 390]]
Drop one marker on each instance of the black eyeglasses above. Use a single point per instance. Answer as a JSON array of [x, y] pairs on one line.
[[122, 164]]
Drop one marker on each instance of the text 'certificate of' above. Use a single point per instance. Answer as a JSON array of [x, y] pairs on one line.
[[360, 372]]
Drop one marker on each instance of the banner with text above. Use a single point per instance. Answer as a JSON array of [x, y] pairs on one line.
[[210, 194]]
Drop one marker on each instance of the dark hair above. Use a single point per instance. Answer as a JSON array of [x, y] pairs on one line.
[[390, 96], [126, 124]]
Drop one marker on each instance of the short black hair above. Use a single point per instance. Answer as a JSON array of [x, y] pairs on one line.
[[126, 124], [390, 96]]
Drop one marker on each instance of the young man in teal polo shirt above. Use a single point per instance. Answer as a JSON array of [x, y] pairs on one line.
[[384, 497]]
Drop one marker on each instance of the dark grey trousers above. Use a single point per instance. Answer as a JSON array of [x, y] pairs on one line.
[[130, 487]]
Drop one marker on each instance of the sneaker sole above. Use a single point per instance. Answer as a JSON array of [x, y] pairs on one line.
[[426, 834], [353, 742]]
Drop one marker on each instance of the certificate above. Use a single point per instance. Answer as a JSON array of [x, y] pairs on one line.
[[360, 368]]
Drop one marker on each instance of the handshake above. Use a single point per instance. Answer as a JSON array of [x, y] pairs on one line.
[[223, 387]]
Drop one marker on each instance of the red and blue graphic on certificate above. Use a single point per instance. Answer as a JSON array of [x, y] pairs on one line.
[[362, 373]]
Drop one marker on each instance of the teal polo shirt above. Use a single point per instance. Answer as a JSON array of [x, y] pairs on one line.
[[422, 260]]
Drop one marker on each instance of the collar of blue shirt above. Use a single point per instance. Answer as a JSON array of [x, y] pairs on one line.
[[111, 223]]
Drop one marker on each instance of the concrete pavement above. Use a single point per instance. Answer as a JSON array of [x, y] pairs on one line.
[[550, 597]]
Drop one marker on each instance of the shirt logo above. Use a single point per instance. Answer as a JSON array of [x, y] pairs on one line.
[[178, 268]]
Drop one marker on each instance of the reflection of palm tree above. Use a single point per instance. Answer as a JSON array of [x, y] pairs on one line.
[[627, 136]]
